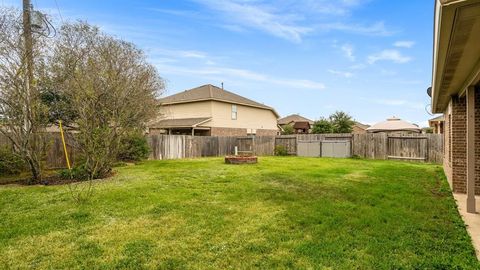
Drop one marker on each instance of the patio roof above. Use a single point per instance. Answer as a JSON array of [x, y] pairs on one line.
[[180, 123], [456, 56]]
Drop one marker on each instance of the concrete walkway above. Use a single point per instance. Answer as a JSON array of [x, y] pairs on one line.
[[471, 220]]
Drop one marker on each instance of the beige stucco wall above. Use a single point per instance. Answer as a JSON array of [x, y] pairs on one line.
[[247, 117], [187, 110]]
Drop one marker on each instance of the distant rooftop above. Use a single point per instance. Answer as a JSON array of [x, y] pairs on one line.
[[293, 118], [393, 124], [212, 92]]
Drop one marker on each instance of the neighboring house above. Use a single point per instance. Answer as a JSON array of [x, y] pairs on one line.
[[437, 124], [455, 92], [359, 128], [300, 124], [302, 127], [394, 125], [211, 111]]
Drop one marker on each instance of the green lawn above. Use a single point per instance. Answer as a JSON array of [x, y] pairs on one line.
[[202, 214]]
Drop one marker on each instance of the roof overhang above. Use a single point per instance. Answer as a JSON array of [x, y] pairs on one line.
[[456, 50], [181, 123]]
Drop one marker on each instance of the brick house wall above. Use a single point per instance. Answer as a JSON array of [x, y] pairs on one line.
[[459, 144], [455, 158], [447, 163], [477, 140], [226, 132], [266, 132]]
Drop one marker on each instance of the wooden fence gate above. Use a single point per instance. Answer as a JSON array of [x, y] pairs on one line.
[[407, 148]]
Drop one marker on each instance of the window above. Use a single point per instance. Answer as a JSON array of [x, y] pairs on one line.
[[234, 112]]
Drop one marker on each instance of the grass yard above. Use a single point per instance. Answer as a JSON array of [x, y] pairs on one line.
[[285, 212]]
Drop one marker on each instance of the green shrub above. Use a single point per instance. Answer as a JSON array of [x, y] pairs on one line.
[[78, 173], [281, 150], [288, 130], [10, 163], [133, 148]]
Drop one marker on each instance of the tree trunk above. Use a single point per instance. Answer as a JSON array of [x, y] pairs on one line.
[[35, 170]]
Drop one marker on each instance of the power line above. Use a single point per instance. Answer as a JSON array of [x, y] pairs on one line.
[[59, 13]]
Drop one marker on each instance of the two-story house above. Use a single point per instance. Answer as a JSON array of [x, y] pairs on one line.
[[212, 111]]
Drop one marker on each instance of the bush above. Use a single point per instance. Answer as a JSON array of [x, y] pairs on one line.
[[133, 148], [77, 173], [281, 150], [288, 130], [10, 163], [322, 126]]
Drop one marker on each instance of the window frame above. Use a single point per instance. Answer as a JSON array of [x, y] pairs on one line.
[[234, 112]]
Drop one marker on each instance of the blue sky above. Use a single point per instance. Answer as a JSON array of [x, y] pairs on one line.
[[370, 58]]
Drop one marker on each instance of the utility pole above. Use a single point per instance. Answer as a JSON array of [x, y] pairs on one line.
[[28, 58]]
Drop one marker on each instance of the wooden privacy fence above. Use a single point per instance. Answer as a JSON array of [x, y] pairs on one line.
[[421, 147], [53, 155], [417, 147]]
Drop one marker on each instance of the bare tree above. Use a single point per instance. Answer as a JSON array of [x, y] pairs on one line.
[[110, 87], [22, 114]]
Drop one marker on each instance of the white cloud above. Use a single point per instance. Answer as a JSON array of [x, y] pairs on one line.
[[389, 55], [341, 73], [250, 14], [397, 102], [178, 53], [404, 44], [221, 73], [328, 7], [348, 51], [290, 20], [387, 72], [377, 29], [358, 67]]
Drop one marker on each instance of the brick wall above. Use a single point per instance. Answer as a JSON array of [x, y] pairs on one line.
[[266, 132], [455, 162], [225, 132], [447, 166], [459, 144], [477, 140]]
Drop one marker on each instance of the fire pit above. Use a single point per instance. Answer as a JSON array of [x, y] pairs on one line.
[[241, 159]]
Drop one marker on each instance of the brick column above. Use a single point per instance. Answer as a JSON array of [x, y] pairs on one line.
[[458, 144], [470, 150], [477, 140]]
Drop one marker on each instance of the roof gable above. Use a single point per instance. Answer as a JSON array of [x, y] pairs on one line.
[[293, 118], [211, 92]]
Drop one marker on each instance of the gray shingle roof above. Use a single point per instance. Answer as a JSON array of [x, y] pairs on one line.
[[211, 92], [293, 118], [181, 122]]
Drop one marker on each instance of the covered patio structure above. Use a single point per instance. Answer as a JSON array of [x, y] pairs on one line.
[[183, 126]]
